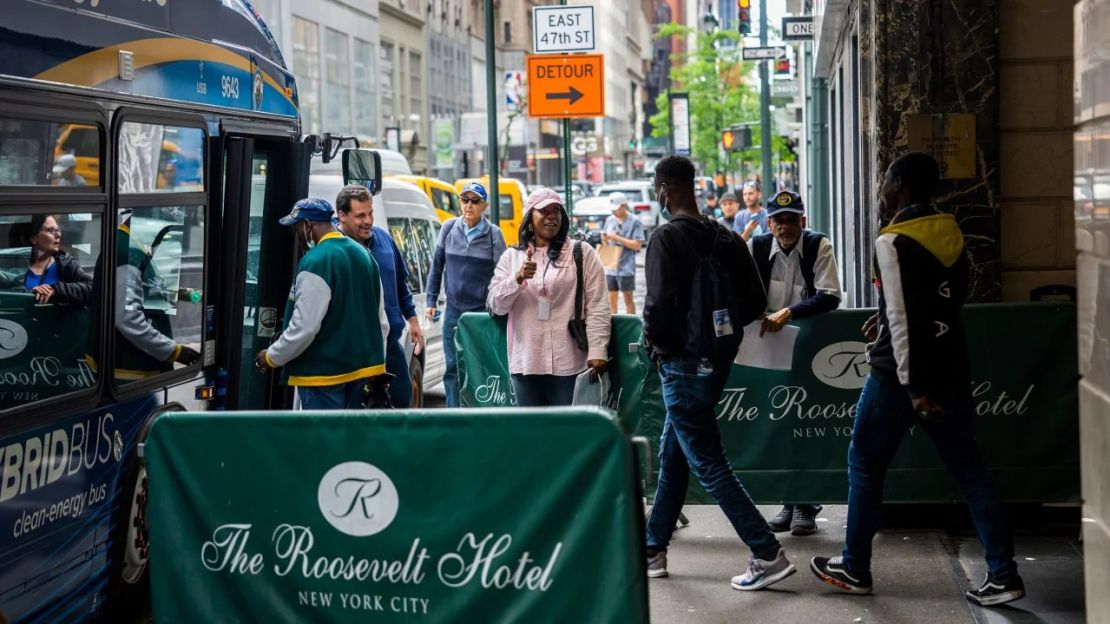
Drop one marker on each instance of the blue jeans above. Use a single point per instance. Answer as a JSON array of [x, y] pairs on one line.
[[400, 389], [883, 416], [692, 441], [340, 396], [451, 374], [543, 390]]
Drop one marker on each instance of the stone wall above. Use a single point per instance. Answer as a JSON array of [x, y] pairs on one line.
[[1035, 145], [1092, 239]]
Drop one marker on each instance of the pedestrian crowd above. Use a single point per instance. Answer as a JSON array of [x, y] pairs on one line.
[[707, 278]]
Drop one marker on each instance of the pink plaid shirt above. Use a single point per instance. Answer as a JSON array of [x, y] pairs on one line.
[[546, 347]]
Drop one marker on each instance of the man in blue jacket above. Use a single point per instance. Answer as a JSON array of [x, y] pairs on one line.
[[356, 219], [468, 249]]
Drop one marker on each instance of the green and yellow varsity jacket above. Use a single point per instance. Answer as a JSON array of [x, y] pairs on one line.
[[329, 337]]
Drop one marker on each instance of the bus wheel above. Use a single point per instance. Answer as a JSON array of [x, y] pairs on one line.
[[129, 583], [416, 374]]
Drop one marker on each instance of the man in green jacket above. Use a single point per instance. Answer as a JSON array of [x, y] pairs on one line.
[[336, 278]]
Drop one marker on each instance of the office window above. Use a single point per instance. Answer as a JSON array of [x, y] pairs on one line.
[[415, 79], [386, 58], [338, 93], [507, 28], [365, 80], [306, 69]]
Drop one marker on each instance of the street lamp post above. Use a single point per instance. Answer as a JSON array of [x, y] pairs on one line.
[[764, 103]]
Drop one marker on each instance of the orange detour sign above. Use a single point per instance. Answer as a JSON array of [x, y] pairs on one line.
[[566, 85]]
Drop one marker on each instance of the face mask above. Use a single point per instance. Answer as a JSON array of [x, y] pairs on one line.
[[666, 212], [308, 238], [663, 197]]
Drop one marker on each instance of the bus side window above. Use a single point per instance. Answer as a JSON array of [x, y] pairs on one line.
[[48, 300], [49, 153], [159, 282]]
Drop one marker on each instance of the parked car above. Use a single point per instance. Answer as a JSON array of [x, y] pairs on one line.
[[641, 201], [443, 195], [407, 214], [590, 214]]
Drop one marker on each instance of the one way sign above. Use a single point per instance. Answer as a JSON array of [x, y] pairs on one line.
[[769, 53], [566, 85]]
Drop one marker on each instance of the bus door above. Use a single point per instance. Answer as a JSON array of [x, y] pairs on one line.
[[264, 177]]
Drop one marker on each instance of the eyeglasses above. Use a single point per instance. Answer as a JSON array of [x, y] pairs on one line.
[[471, 200], [54, 231]]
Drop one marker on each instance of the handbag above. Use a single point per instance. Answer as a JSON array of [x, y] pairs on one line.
[[577, 325], [610, 256]]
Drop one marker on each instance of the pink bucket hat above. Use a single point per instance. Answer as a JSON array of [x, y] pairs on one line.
[[541, 198]]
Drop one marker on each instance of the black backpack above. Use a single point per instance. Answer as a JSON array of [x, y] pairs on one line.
[[718, 309]]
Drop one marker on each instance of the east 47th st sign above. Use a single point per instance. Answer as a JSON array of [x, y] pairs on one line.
[[561, 86], [563, 29]]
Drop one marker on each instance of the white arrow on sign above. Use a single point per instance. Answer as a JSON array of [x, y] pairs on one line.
[[764, 54]]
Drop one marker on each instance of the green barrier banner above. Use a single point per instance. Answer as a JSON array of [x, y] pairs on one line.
[[787, 432], [42, 349], [438, 516]]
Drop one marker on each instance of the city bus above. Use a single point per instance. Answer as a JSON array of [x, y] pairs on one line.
[[147, 151]]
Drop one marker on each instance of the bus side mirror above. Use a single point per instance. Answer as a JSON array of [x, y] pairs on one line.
[[363, 166]]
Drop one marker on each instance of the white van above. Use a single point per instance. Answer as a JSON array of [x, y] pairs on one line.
[[407, 213], [393, 163]]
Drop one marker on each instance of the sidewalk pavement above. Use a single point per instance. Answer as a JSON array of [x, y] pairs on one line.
[[920, 576]]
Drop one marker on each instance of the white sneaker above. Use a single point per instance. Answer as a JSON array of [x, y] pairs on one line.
[[762, 573]]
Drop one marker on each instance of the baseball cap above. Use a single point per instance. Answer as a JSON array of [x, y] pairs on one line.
[[308, 209], [785, 201], [475, 188], [542, 198], [729, 196], [617, 199], [65, 162]]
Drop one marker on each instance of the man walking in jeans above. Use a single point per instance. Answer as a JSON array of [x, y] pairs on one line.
[[920, 375], [693, 382]]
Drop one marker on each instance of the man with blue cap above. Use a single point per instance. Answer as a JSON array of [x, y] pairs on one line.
[[799, 271], [467, 251], [326, 352]]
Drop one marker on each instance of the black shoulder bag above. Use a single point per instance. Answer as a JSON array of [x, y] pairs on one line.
[[577, 325]]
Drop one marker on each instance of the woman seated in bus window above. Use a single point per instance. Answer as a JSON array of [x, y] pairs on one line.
[[53, 275]]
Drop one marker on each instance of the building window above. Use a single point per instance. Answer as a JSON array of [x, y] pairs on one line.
[[338, 92], [306, 69], [507, 28], [386, 57], [365, 79], [415, 73]]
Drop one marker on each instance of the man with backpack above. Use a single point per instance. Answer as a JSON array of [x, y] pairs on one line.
[[702, 289], [798, 269]]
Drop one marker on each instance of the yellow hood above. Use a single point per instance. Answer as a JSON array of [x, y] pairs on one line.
[[937, 233]]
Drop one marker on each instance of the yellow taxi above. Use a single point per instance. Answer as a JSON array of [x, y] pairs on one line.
[[444, 197], [511, 194]]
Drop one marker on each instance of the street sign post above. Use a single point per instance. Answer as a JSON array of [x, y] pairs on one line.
[[768, 53], [797, 28], [566, 86], [563, 29]]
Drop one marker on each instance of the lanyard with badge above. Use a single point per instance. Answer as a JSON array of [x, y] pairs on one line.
[[543, 313]]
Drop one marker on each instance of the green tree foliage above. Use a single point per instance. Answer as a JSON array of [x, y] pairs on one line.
[[717, 83]]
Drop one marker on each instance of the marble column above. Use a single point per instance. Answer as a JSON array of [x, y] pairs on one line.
[[938, 56]]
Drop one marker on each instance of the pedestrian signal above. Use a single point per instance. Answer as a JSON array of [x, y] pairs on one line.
[[782, 66], [734, 139], [745, 16], [728, 140]]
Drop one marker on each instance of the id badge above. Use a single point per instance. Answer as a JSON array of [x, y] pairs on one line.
[[722, 323], [544, 311]]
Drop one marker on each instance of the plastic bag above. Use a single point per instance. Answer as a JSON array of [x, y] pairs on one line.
[[593, 394]]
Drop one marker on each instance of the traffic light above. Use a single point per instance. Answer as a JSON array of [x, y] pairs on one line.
[[782, 66], [728, 140], [745, 16]]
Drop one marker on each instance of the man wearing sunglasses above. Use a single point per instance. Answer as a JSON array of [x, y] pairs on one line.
[[468, 250]]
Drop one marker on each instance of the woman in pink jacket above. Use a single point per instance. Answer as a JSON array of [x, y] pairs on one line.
[[535, 284]]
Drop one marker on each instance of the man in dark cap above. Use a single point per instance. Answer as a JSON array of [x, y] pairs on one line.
[[326, 347], [799, 271]]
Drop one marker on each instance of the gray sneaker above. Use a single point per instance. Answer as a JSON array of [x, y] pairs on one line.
[[762, 573], [657, 565]]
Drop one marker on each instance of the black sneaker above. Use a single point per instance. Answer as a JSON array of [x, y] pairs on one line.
[[832, 572], [804, 521], [781, 521], [995, 592]]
